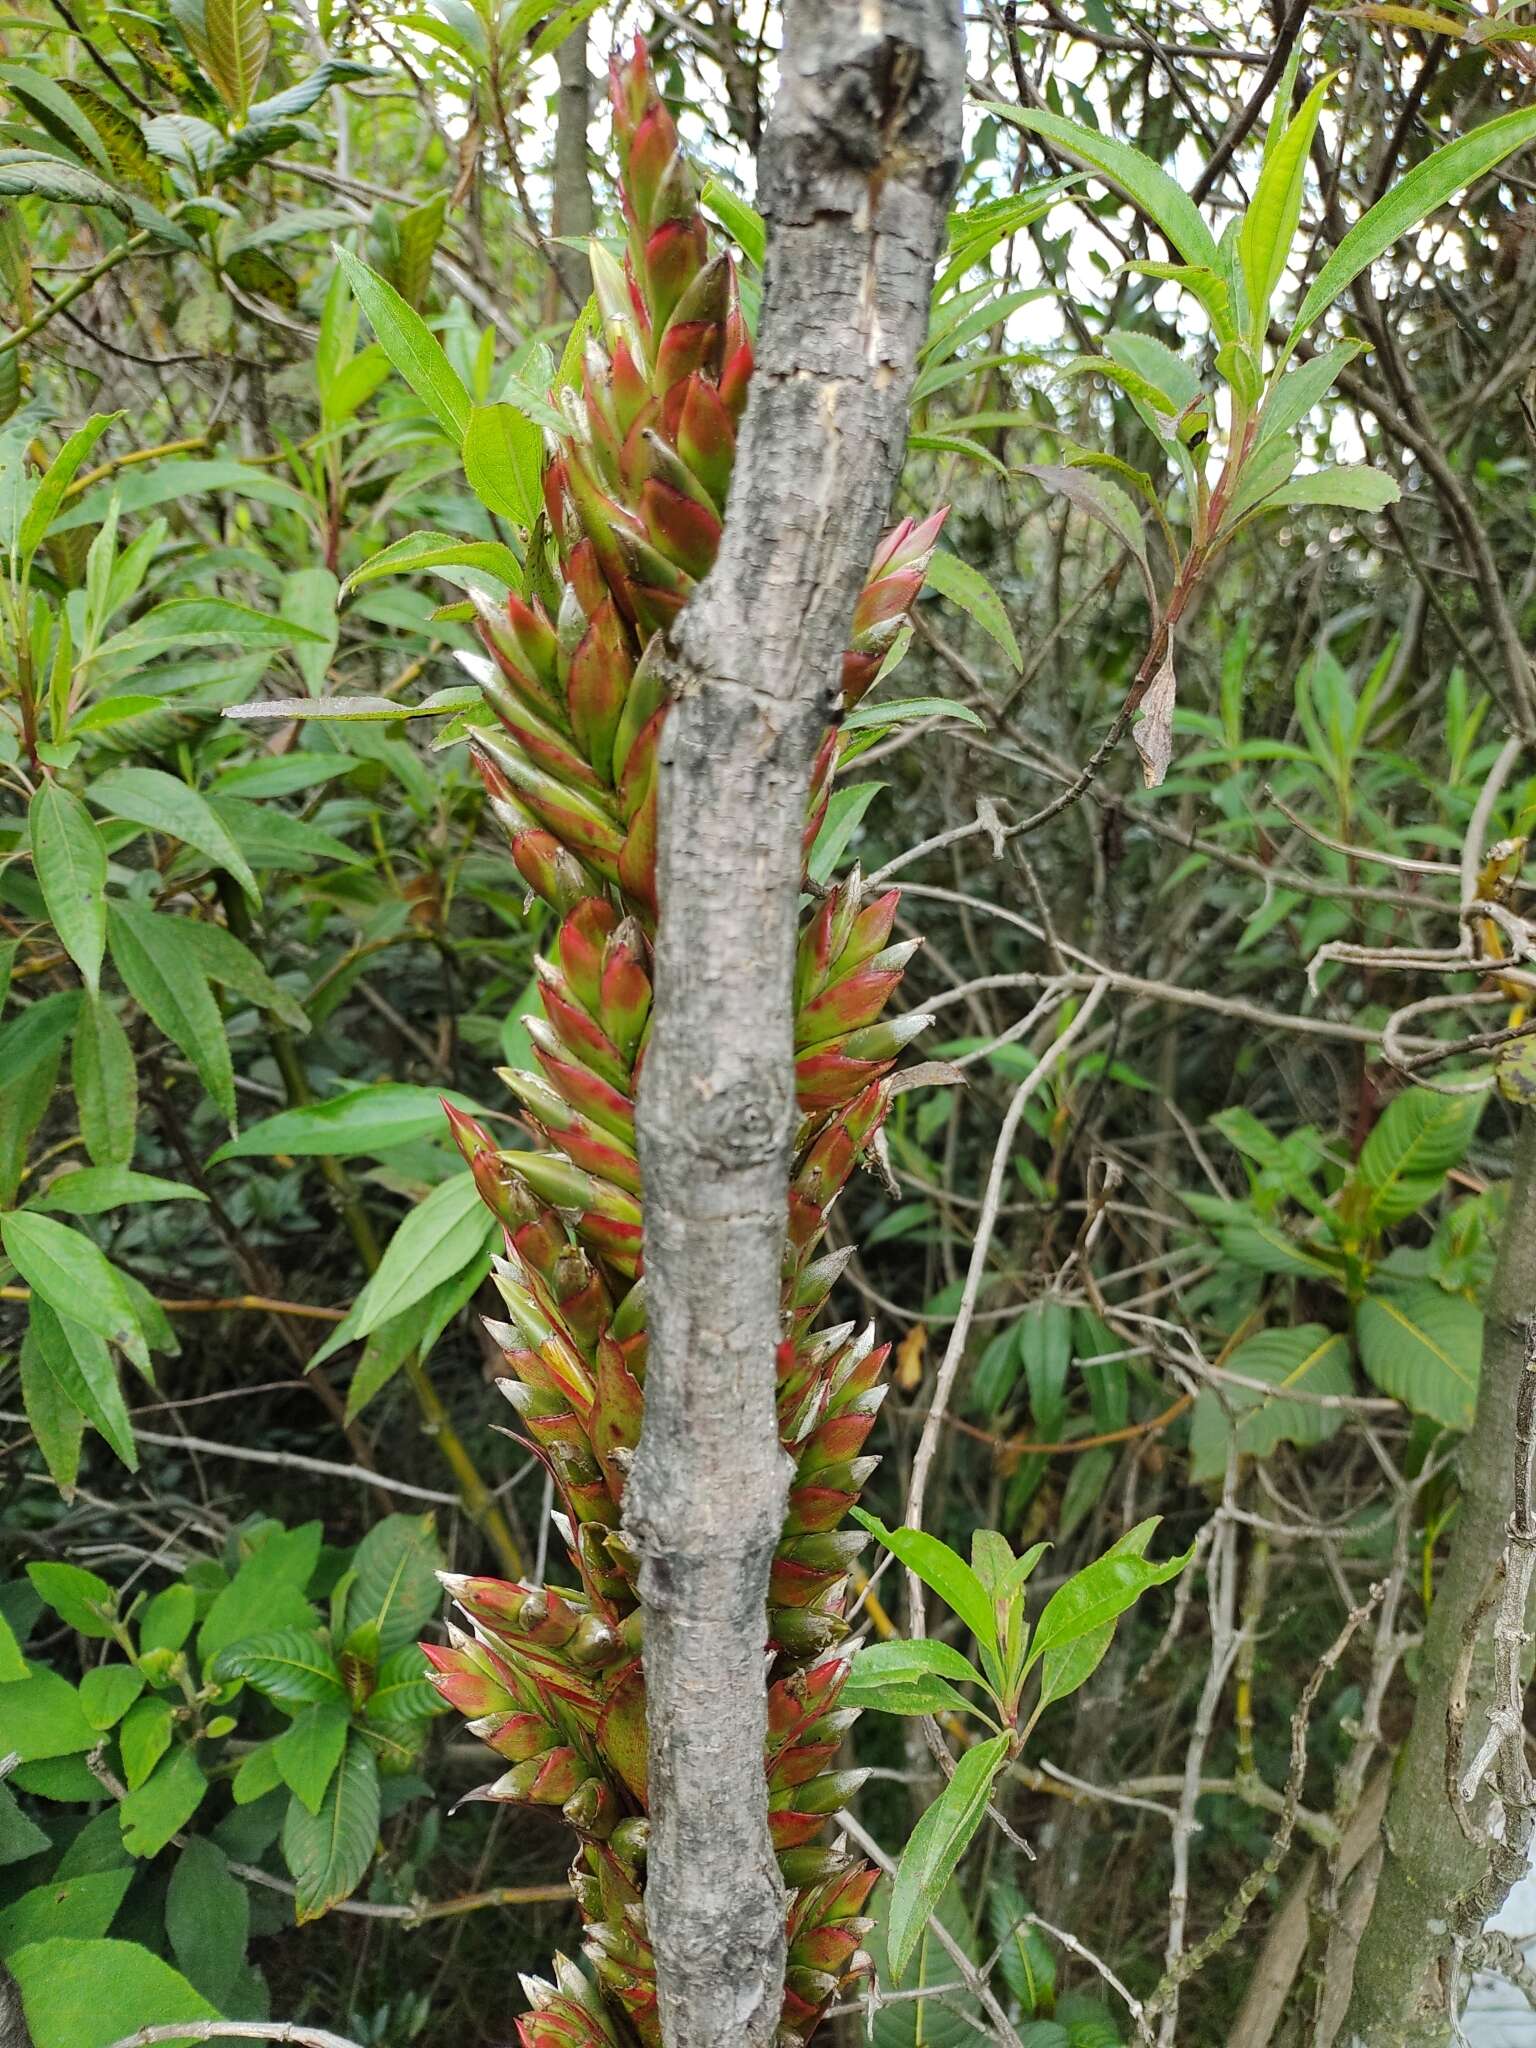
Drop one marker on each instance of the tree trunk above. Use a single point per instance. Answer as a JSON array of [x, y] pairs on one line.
[[571, 213], [859, 165], [1437, 1887]]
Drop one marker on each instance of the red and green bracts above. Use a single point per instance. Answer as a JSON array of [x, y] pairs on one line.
[[552, 1680]]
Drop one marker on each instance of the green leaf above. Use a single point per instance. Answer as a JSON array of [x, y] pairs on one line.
[[329, 1852], [90, 1994], [876, 717], [1147, 185], [67, 1270], [1424, 1347], [909, 1678], [1269, 225], [19, 1836], [107, 1692], [504, 461], [374, 1119], [970, 590], [256, 1776], [411, 347], [1299, 390], [1263, 1247], [943, 1570], [55, 1421], [144, 1738], [417, 551], [91, 1190], [287, 1665], [395, 1586], [845, 813], [438, 1238], [231, 963], [33, 173], [309, 1750], [106, 1083], [266, 1593], [1416, 1141], [1070, 1665], [1103, 1590], [12, 1664], [60, 473], [79, 1598], [309, 598], [952, 2019], [71, 864], [237, 38], [80, 1366], [1103, 502], [82, 1907], [149, 797], [42, 1717], [1310, 1357], [208, 1919], [937, 1843], [166, 978], [167, 1621], [163, 1804], [1412, 199], [1352, 490], [401, 1691], [743, 223], [1024, 1955], [1206, 286], [185, 622], [36, 1033]]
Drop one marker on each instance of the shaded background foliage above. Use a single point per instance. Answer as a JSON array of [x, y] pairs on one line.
[[208, 928]]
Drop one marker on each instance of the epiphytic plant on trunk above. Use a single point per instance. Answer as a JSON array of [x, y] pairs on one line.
[[633, 496]]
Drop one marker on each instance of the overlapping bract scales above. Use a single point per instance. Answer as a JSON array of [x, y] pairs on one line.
[[552, 1680]]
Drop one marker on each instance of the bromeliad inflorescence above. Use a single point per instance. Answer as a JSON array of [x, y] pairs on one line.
[[634, 496]]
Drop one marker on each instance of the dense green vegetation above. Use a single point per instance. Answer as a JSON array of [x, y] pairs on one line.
[[1205, 771]]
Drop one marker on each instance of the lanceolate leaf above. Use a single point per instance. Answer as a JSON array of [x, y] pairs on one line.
[[938, 1842], [166, 978], [328, 1852], [1353, 490], [1269, 226], [359, 1120], [944, 1571], [970, 590], [411, 346], [1147, 185], [1103, 1590], [439, 1237], [78, 1362], [74, 1277], [105, 1084], [149, 797], [71, 865], [1426, 187], [909, 1678], [444, 552]]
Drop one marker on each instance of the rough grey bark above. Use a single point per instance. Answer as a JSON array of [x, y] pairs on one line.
[[1437, 1886], [13, 2024], [572, 212], [859, 164]]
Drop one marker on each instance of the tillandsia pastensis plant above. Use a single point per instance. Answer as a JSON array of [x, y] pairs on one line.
[[634, 492]]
